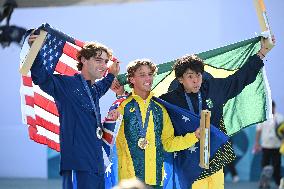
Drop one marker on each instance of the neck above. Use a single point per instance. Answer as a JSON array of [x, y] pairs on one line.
[[143, 94], [189, 91], [87, 77]]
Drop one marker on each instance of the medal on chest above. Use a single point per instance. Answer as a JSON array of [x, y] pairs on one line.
[[143, 143]]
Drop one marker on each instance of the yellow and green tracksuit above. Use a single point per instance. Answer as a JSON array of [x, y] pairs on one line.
[[147, 164]]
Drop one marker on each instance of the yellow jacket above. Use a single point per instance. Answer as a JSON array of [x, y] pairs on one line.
[[147, 164]]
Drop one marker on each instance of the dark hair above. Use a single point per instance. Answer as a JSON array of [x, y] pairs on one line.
[[186, 62], [92, 49], [134, 65]]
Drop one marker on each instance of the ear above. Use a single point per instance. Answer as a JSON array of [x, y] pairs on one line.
[[83, 60], [131, 80], [180, 80]]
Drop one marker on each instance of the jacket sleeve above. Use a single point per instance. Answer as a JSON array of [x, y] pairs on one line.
[[43, 78], [171, 142], [103, 85], [233, 85]]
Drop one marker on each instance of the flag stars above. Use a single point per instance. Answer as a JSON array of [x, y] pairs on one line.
[[108, 169], [192, 149], [50, 58], [44, 47], [50, 51], [175, 155], [165, 175], [185, 118]]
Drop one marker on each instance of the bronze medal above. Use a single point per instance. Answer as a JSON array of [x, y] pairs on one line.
[[143, 143]]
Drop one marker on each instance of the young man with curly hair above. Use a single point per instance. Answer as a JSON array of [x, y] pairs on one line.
[[77, 100], [146, 130]]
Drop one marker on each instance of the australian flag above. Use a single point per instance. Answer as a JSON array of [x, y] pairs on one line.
[[182, 168]]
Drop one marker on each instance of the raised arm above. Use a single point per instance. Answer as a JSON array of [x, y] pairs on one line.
[[40, 75], [103, 85], [232, 85]]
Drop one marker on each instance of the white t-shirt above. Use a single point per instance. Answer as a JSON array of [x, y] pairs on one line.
[[269, 138]]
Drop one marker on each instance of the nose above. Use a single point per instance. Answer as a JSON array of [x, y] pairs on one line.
[[195, 79]]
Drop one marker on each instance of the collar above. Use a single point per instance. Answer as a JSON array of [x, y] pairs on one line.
[[139, 99]]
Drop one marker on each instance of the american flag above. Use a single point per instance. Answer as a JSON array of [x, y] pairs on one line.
[[39, 111]]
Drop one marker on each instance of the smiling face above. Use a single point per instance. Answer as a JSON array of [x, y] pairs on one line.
[[142, 79], [191, 81], [95, 67]]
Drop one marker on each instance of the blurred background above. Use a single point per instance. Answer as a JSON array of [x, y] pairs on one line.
[[161, 30]]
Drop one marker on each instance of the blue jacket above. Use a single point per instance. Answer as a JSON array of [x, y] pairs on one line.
[[80, 149]]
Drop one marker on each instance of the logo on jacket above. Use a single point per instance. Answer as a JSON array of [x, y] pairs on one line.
[[209, 103]]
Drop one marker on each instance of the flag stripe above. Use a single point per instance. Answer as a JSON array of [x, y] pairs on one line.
[[27, 81], [68, 61], [62, 68], [46, 115], [47, 125], [70, 51], [46, 104], [29, 101]]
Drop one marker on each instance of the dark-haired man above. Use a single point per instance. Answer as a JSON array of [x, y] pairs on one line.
[[196, 93]]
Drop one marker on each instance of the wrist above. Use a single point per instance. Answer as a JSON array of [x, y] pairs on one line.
[[261, 54]]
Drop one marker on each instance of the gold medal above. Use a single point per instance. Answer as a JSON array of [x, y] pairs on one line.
[[143, 143]]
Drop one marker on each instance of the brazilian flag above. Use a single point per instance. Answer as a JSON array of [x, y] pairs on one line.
[[251, 106]]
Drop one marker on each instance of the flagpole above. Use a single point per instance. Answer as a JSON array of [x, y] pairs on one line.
[[29, 60], [205, 139], [263, 19]]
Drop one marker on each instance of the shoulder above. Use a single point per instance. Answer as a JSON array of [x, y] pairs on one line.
[[169, 95], [124, 103]]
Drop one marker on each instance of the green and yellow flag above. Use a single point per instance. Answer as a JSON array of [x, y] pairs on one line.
[[251, 106]]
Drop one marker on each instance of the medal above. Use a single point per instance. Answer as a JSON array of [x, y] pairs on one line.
[[99, 133], [143, 143]]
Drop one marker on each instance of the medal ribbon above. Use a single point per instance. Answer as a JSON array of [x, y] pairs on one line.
[[142, 130], [92, 102], [189, 103]]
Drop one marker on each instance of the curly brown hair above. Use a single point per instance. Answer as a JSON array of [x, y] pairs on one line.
[[92, 49], [192, 62], [135, 64]]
